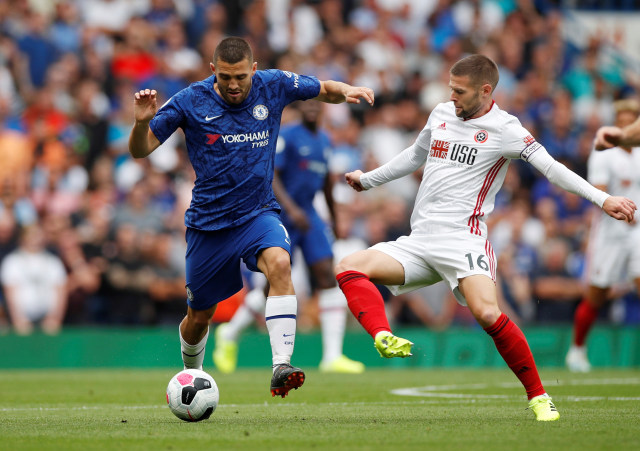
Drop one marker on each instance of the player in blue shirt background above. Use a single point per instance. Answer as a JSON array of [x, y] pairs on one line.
[[231, 122], [302, 170]]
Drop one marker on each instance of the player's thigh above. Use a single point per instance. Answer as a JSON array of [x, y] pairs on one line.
[[457, 256], [381, 267], [607, 260], [265, 231], [212, 266], [479, 292]]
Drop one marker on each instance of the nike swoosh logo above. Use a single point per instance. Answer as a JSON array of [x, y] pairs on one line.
[[288, 335], [212, 118]]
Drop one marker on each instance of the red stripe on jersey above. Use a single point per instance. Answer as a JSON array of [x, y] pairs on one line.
[[492, 259], [474, 222]]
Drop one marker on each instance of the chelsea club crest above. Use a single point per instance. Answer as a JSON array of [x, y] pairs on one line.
[[260, 112]]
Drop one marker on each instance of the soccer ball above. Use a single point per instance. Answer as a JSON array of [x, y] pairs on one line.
[[192, 395]]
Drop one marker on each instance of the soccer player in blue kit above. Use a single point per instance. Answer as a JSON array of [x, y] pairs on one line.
[[231, 122], [302, 171]]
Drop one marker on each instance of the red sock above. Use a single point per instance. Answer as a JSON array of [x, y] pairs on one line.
[[514, 349], [364, 301], [584, 318]]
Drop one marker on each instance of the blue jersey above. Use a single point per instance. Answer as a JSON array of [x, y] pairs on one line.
[[302, 158], [231, 147]]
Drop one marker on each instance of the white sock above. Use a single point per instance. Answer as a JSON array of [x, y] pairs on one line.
[[333, 317], [193, 355], [253, 305], [280, 314]]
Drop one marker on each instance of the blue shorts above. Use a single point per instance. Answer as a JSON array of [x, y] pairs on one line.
[[315, 243], [213, 257]]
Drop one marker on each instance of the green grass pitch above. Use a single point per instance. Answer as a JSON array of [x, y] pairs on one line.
[[383, 409]]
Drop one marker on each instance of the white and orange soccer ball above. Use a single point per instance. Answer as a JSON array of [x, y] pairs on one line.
[[192, 395]]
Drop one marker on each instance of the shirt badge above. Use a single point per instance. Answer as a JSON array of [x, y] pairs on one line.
[[260, 112], [481, 136]]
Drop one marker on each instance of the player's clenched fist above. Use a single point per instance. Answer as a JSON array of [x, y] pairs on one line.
[[620, 208], [353, 179]]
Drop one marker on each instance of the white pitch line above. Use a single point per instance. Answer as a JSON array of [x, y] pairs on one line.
[[436, 391]]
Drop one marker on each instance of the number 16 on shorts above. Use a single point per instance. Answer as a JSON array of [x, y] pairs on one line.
[[483, 262]]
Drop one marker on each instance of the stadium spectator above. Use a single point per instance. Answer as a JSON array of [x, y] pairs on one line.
[[555, 288], [233, 197], [126, 279], [166, 288], [34, 284], [448, 239]]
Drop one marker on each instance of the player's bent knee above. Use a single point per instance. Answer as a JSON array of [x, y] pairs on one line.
[[199, 319], [342, 266], [275, 264], [487, 317]]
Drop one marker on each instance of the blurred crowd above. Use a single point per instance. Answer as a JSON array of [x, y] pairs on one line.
[[89, 235]]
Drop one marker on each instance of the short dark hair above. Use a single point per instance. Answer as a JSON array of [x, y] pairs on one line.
[[233, 50], [479, 68]]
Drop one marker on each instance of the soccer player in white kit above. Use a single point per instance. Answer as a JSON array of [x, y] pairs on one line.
[[614, 247], [465, 148]]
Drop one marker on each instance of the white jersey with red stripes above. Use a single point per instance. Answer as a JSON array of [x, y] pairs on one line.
[[465, 168]]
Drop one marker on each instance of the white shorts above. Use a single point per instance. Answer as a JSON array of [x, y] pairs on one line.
[[613, 259], [428, 259]]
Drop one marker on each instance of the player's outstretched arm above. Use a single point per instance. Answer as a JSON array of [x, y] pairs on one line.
[[142, 141], [610, 136], [407, 161], [338, 92], [620, 208]]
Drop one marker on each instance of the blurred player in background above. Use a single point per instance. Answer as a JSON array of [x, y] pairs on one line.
[[614, 247], [302, 159], [465, 148], [231, 122]]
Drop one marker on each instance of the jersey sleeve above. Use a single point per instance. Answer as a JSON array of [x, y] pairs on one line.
[[563, 177], [424, 138], [294, 86], [168, 119], [517, 142], [407, 161], [598, 168]]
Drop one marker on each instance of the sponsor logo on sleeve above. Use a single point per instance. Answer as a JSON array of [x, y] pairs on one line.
[[296, 77]]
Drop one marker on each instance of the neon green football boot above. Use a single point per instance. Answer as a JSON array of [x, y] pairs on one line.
[[225, 353], [342, 364], [543, 408], [388, 345]]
